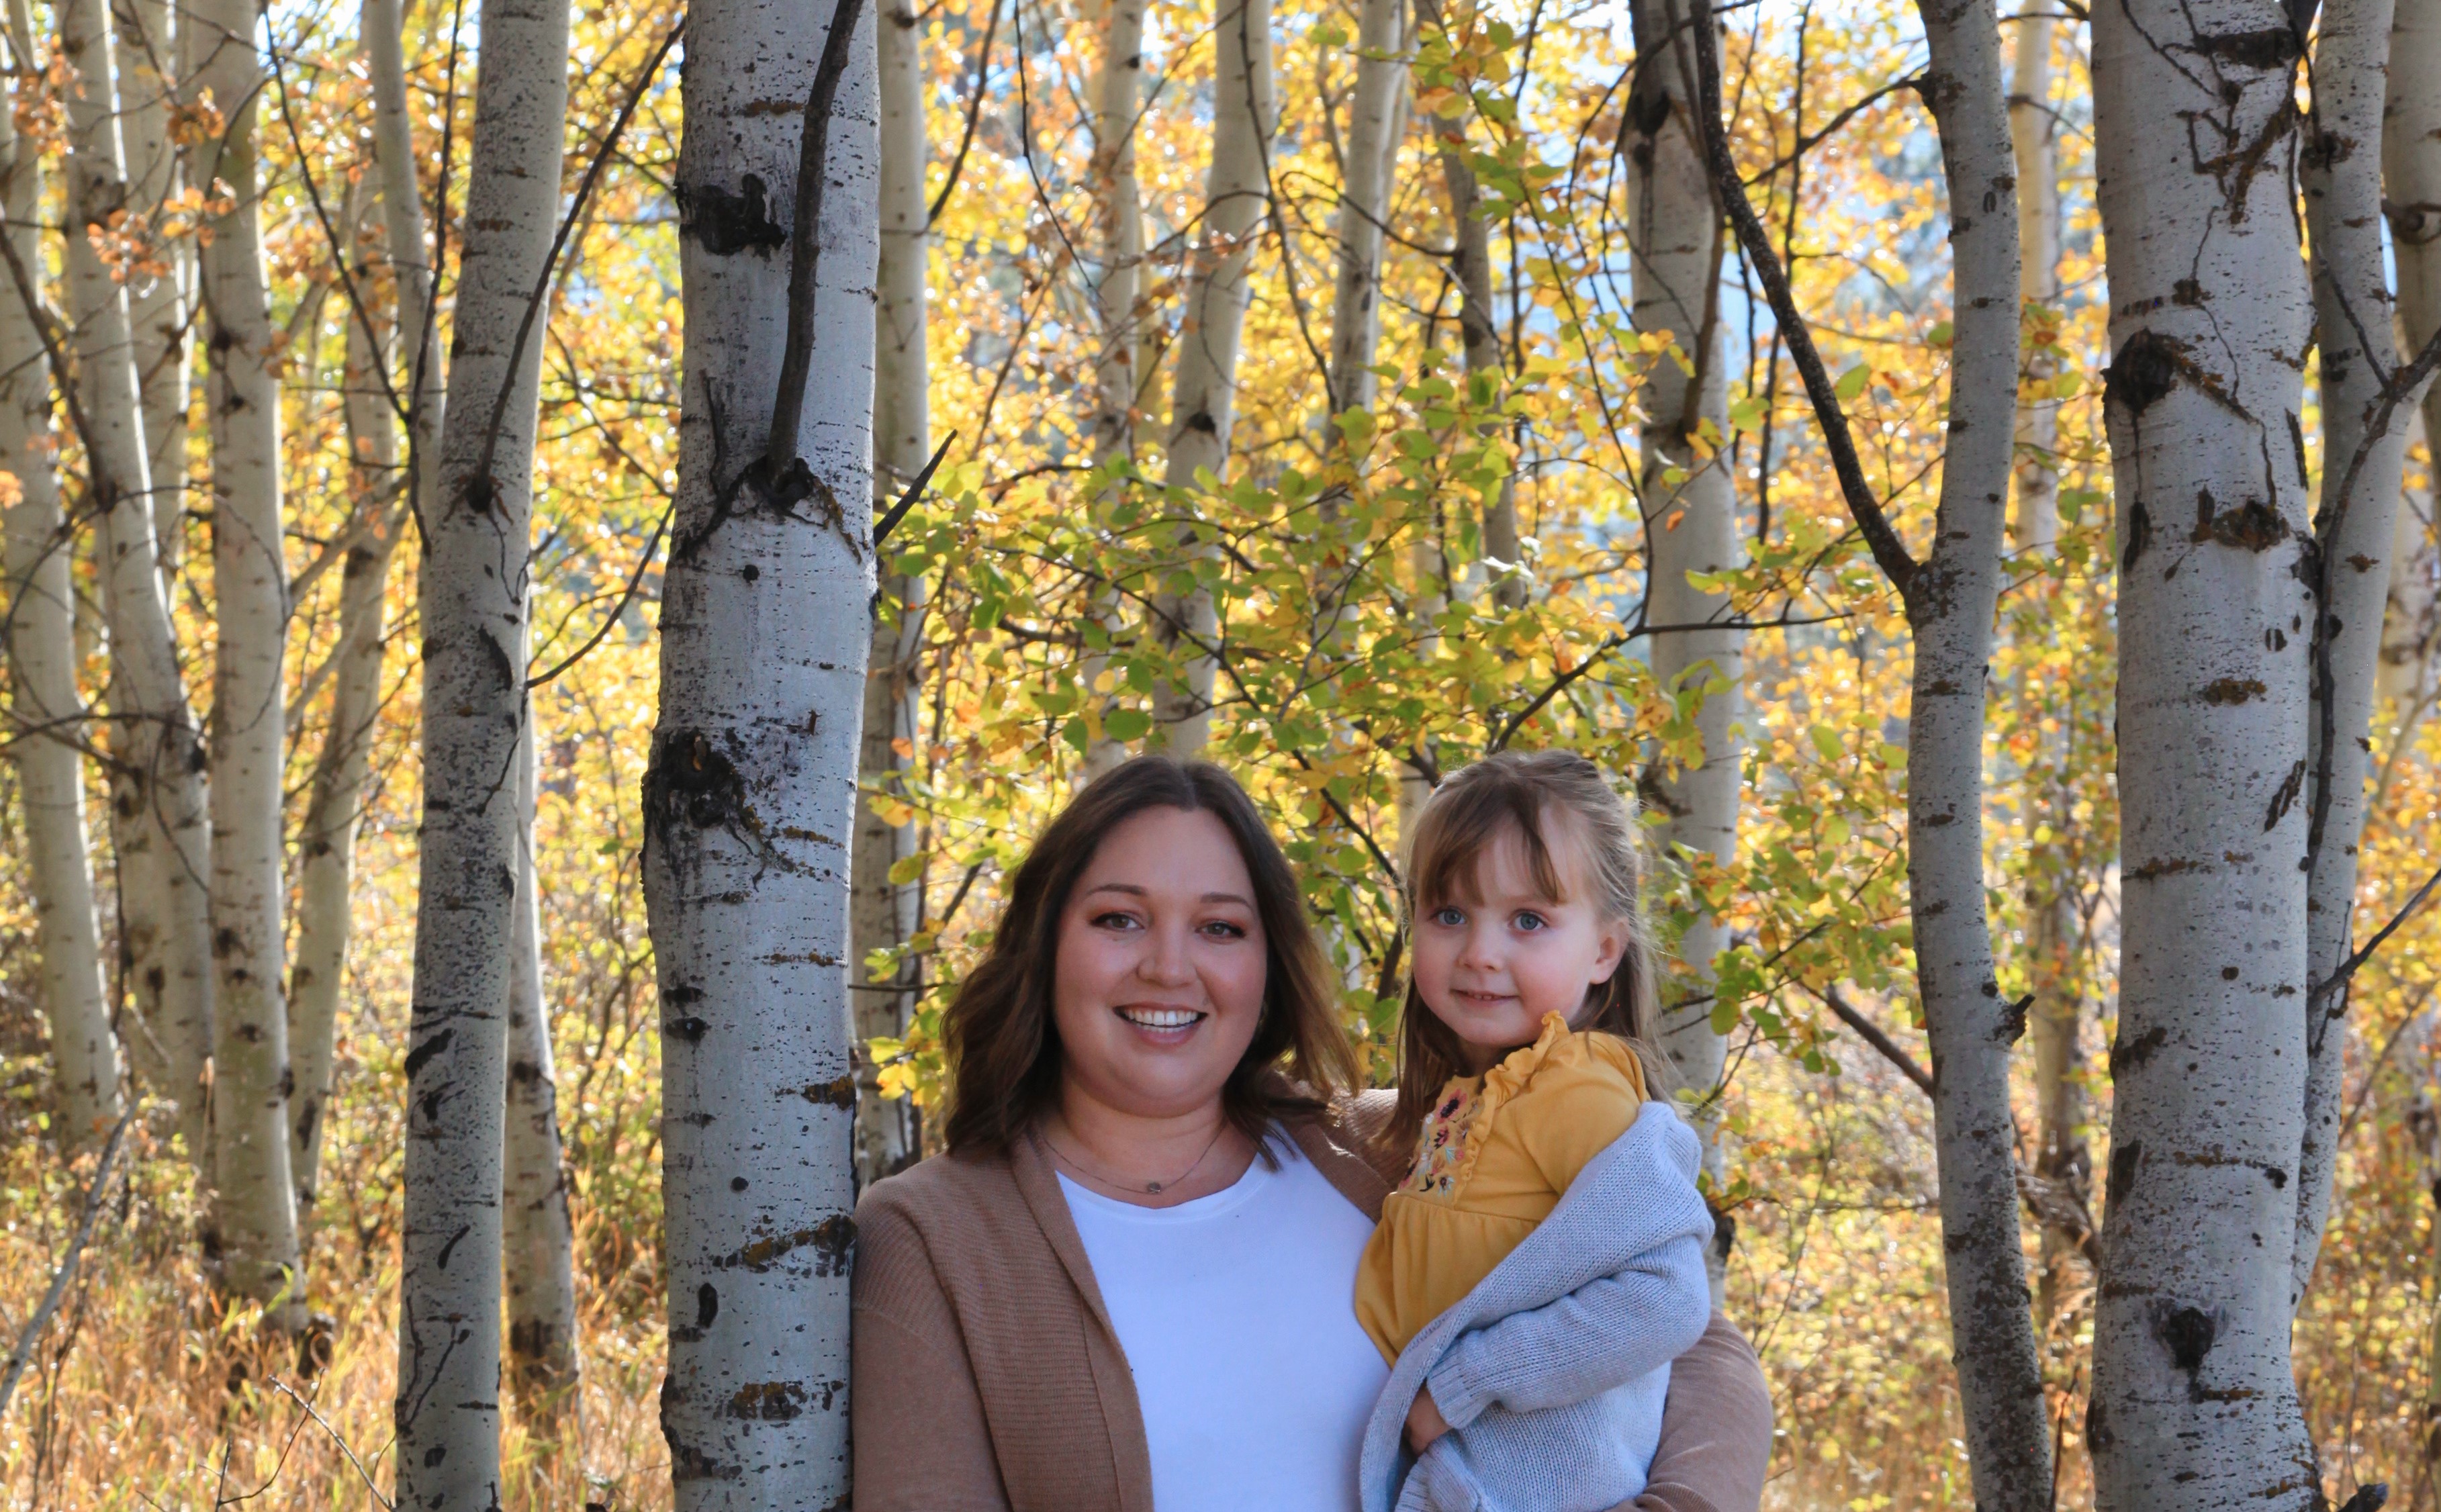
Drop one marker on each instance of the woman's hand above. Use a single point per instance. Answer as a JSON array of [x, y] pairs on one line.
[[1424, 1422]]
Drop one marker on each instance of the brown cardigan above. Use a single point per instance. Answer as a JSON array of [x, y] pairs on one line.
[[987, 1376]]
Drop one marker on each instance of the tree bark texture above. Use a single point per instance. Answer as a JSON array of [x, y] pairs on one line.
[[2054, 928], [538, 1238], [1118, 105], [410, 251], [1950, 602], [255, 1213], [1478, 328], [2193, 1404], [156, 302], [158, 805], [886, 913], [326, 841], [750, 792], [1377, 116], [39, 604], [2364, 458], [475, 598], [1203, 383], [1674, 226], [2410, 168]]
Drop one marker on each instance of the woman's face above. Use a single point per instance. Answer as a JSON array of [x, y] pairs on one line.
[[1159, 980]]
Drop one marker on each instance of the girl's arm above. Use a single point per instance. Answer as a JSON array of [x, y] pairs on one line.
[[1604, 1334], [1715, 1449]]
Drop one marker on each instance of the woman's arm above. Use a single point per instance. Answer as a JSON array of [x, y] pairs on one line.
[[1715, 1449], [921, 1440]]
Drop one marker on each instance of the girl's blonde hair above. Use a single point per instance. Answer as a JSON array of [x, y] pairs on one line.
[[1462, 820]]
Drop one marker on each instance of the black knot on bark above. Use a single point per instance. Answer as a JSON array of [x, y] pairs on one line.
[[2266, 50], [2145, 367], [2188, 1333], [728, 223]]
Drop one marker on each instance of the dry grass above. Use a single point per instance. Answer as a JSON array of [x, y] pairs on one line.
[[148, 1394]]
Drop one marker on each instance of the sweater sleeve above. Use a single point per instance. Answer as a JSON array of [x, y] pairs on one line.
[[1716, 1431], [1604, 1334], [921, 1441]]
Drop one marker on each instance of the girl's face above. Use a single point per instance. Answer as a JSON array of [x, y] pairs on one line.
[[1491, 967], [1158, 981]]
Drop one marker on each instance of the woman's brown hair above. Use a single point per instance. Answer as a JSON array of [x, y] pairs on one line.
[[999, 1032], [1521, 792]]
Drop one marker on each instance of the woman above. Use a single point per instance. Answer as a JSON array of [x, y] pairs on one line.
[[1128, 1283]]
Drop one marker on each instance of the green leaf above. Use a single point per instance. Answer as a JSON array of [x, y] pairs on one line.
[[1851, 383], [906, 869], [1826, 741], [1126, 724]]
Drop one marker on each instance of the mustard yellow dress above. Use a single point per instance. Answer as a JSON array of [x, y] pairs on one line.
[[1495, 1155]]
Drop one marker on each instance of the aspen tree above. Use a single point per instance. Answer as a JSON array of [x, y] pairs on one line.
[[887, 911], [2411, 169], [326, 841], [158, 803], [474, 601], [1690, 526], [2193, 1404], [2052, 927], [2364, 456], [1203, 382], [1950, 597], [37, 602], [409, 250], [1376, 122], [1479, 334], [750, 788], [156, 302], [255, 1207], [1118, 225], [538, 1238]]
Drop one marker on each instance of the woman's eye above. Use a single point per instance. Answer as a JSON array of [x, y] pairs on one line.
[[1223, 929], [1115, 921], [1529, 921]]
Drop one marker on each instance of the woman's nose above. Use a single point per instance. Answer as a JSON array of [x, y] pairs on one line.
[[1167, 962]]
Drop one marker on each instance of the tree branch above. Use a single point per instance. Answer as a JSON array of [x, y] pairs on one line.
[[806, 243], [1871, 1033]]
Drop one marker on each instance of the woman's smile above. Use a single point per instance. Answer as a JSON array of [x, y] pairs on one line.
[[1161, 1024]]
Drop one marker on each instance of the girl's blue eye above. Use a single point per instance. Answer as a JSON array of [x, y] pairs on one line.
[[1529, 921], [1449, 918]]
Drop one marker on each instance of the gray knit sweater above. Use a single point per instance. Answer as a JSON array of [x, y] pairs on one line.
[[1553, 1372]]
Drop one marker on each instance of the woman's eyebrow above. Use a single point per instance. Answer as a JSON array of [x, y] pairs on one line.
[[1128, 888], [1228, 897]]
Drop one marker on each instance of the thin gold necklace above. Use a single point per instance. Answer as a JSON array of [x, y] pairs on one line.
[[1150, 1188]]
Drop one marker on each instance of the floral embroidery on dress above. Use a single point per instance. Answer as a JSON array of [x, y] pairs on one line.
[[1442, 1149]]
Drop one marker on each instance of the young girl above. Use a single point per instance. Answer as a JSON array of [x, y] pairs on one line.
[[1542, 1263]]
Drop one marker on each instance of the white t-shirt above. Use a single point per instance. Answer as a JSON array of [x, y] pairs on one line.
[[1237, 1312]]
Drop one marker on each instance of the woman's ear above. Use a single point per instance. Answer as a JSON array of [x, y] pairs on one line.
[[1610, 949]]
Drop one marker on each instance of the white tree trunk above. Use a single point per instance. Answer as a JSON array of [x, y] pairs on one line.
[[37, 602], [2410, 167], [2411, 625], [1376, 122], [156, 305], [1673, 226], [1478, 327], [1950, 600], [886, 913], [158, 806], [2052, 923], [538, 1238], [2363, 473], [326, 841], [255, 1212], [1118, 100], [2033, 134], [1203, 384], [2194, 1405], [474, 604], [752, 788], [418, 336]]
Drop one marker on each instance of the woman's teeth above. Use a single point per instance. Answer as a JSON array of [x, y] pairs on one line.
[[1160, 1017]]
